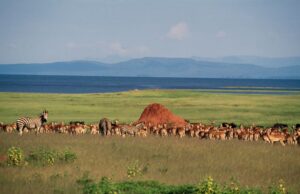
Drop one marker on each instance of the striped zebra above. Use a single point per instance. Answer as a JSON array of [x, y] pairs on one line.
[[32, 123]]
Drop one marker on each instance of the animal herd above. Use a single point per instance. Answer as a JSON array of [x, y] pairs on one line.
[[226, 131]]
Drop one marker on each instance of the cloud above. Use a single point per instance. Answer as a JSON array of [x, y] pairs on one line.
[[221, 34], [118, 48], [179, 31]]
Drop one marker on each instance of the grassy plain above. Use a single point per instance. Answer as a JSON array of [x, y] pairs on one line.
[[196, 106], [168, 160]]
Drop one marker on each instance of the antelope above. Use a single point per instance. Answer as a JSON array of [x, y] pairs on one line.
[[181, 132], [274, 137]]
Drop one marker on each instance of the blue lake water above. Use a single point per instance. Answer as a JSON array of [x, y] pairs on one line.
[[97, 84]]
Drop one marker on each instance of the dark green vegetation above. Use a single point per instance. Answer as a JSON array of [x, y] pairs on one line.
[[197, 106], [207, 186], [170, 161]]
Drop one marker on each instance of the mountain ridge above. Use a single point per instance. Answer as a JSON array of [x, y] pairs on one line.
[[155, 67]]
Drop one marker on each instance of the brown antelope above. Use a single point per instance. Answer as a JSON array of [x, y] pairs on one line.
[[291, 138], [154, 130], [181, 132], [142, 132], [116, 130], [275, 136], [229, 133], [94, 130], [172, 130], [9, 128], [163, 132]]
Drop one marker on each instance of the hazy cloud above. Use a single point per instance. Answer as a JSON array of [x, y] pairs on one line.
[[179, 31], [118, 48]]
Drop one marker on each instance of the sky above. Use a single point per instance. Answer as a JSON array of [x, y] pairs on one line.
[[34, 31]]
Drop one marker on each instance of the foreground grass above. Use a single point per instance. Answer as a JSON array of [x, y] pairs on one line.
[[167, 160], [196, 106]]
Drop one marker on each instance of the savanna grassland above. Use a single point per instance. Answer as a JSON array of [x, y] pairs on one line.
[[168, 160]]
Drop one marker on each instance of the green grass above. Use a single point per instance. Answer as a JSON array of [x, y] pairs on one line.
[[167, 160], [196, 106]]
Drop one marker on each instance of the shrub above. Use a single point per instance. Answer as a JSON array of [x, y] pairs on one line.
[[15, 156], [278, 189], [67, 156], [105, 186], [42, 156], [134, 169], [209, 186], [45, 156]]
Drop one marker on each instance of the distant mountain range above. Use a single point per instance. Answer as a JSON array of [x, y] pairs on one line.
[[230, 67], [261, 61]]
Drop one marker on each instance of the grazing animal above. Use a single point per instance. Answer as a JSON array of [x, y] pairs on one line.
[[32, 123], [93, 129], [181, 132], [9, 128], [163, 132], [105, 127], [231, 125], [297, 127], [273, 137], [76, 122], [280, 126]]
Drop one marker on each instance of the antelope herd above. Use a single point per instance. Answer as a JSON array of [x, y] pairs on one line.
[[226, 131]]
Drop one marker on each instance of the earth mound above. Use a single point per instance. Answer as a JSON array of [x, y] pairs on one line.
[[158, 114]]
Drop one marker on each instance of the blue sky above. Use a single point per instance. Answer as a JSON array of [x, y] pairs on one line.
[[62, 30]]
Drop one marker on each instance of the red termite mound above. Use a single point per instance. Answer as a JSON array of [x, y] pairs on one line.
[[158, 114]]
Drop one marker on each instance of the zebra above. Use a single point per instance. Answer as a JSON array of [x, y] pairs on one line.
[[32, 123]]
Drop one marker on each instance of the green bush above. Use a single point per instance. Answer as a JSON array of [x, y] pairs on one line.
[[42, 156], [15, 156], [67, 156], [105, 186], [46, 156], [207, 186], [134, 169], [278, 189]]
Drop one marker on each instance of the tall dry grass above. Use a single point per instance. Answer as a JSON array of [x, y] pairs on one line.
[[169, 160]]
